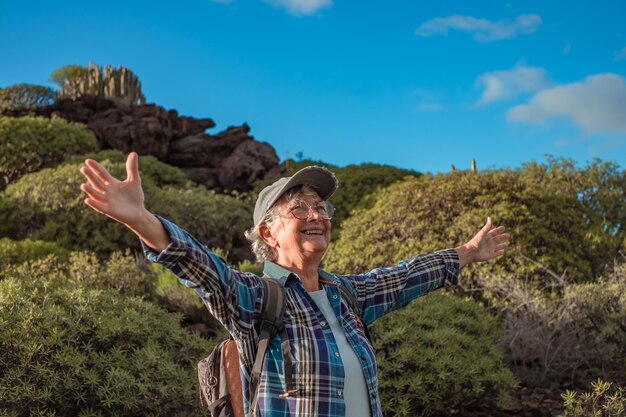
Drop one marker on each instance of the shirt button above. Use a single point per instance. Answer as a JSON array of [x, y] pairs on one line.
[[339, 393], [335, 297], [323, 324], [337, 354]]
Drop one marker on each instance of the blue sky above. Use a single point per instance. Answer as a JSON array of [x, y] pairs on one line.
[[419, 85]]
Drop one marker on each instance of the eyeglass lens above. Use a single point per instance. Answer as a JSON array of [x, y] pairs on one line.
[[301, 211]]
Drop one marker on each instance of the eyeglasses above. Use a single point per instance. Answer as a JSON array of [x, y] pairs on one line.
[[301, 209]]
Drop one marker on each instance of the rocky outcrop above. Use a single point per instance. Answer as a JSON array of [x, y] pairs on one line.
[[229, 160]]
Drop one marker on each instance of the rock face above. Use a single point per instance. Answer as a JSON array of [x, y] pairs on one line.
[[229, 160]]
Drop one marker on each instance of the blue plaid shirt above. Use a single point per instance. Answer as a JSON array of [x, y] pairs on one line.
[[235, 299]]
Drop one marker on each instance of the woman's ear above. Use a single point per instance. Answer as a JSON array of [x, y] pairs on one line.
[[265, 232]]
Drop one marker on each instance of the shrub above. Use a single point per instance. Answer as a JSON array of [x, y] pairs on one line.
[[169, 292], [159, 173], [17, 252], [21, 96], [69, 350], [54, 203], [216, 220], [16, 220], [28, 144], [175, 297], [604, 400], [439, 352], [120, 272], [550, 226], [565, 333]]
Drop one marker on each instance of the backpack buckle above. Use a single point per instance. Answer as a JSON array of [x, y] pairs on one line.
[[290, 393], [267, 326]]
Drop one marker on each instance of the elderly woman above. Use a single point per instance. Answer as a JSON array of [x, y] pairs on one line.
[[334, 369]]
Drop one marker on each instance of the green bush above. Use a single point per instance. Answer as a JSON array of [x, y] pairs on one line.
[[17, 221], [70, 350], [17, 252], [604, 400], [550, 225], [53, 202], [168, 291], [120, 272], [439, 352], [28, 144], [175, 297], [216, 220], [600, 191], [20, 96], [159, 173]]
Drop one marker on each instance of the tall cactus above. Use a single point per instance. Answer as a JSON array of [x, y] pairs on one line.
[[119, 84]]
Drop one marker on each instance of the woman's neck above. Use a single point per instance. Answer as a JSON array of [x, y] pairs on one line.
[[307, 272]]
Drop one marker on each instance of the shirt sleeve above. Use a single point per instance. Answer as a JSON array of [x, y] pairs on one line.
[[385, 289], [232, 297]]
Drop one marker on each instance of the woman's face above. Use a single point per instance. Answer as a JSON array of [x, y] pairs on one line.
[[295, 239]]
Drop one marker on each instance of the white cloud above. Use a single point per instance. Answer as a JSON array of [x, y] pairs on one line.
[[483, 30], [500, 85], [595, 104], [621, 55], [302, 7]]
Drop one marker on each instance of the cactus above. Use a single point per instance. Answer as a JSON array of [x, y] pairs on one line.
[[119, 84]]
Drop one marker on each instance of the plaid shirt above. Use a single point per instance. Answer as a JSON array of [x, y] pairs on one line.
[[235, 299]]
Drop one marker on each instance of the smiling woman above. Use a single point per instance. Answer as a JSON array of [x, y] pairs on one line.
[[334, 368]]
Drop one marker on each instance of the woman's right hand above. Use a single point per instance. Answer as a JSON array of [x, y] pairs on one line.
[[120, 200]]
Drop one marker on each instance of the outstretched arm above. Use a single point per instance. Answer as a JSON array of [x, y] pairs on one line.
[[490, 242], [123, 201]]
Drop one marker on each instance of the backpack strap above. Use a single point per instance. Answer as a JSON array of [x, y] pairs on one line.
[[349, 297], [271, 323]]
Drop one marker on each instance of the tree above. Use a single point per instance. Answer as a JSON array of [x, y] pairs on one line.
[[21, 96], [68, 78]]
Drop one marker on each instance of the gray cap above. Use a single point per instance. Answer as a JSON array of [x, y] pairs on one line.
[[319, 178]]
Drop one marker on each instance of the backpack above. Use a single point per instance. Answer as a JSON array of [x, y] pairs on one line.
[[220, 382]]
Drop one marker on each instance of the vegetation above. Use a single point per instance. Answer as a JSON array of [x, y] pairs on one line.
[[83, 331], [20, 96], [52, 200], [68, 78], [604, 400], [14, 252], [119, 84], [68, 349], [28, 144], [566, 332], [439, 352], [547, 209]]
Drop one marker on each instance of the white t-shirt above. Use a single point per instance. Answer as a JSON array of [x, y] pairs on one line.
[[355, 389]]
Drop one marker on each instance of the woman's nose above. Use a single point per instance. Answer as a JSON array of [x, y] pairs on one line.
[[314, 212]]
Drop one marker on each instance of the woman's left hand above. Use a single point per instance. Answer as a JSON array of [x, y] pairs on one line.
[[490, 242]]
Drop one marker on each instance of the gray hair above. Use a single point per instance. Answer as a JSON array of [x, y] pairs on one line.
[[262, 250]]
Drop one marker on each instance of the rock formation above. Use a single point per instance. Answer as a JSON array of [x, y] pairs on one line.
[[229, 160]]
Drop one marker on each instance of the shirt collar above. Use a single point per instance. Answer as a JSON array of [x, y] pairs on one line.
[[273, 270]]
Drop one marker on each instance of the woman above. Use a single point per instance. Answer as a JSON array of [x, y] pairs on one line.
[[334, 369]]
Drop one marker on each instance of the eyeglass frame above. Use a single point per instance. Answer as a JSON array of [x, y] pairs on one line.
[[327, 206]]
